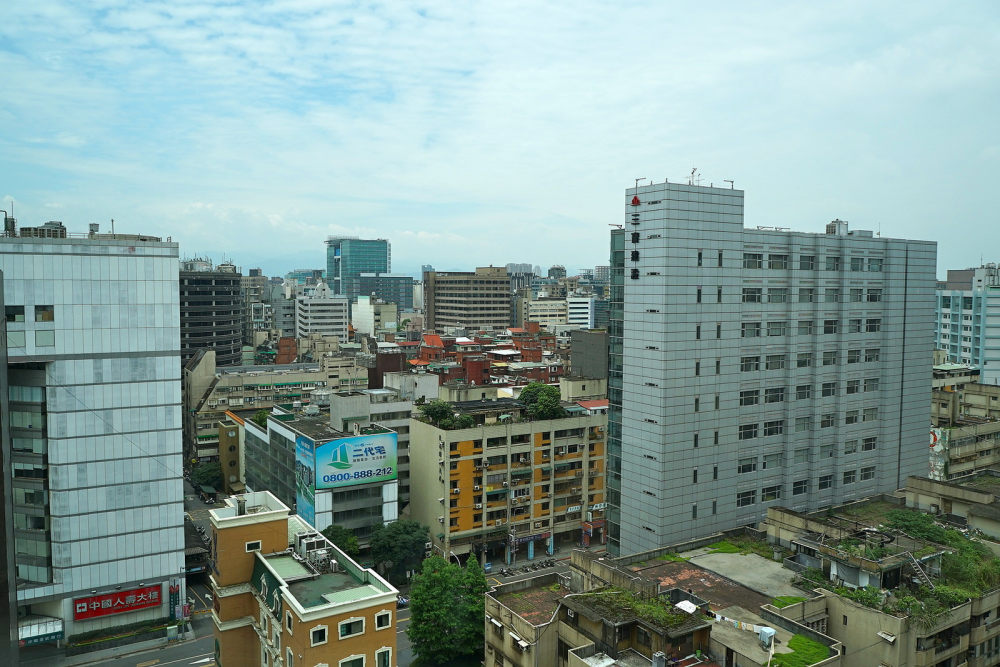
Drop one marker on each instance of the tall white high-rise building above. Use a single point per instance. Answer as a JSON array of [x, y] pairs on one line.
[[93, 379], [968, 319], [321, 313], [758, 367]]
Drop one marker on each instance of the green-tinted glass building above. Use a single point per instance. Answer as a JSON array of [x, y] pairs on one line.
[[347, 258]]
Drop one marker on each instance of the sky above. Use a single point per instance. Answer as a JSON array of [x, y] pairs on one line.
[[471, 134]]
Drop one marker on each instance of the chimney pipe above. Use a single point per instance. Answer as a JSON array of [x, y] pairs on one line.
[[241, 506]]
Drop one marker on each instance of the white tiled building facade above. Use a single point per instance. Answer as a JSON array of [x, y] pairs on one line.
[[758, 367], [94, 374]]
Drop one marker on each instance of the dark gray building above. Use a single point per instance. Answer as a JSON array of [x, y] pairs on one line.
[[211, 311], [757, 367], [589, 353]]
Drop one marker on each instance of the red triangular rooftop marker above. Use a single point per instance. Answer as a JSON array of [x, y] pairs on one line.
[[635, 200]]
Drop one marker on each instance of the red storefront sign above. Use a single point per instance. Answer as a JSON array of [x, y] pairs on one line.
[[115, 603]]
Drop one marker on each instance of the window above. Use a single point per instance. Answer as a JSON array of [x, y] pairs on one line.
[[870, 414], [874, 295], [868, 472], [697, 368], [698, 295], [718, 294], [853, 356], [777, 295], [694, 511], [383, 620], [697, 332], [353, 661], [694, 476], [772, 461], [777, 328], [750, 329], [716, 438], [752, 260], [696, 440], [851, 447], [807, 262], [800, 487], [15, 339], [803, 424], [352, 627], [289, 658], [857, 295], [748, 431], [699, 258], [774, 362], [253, 546], [871, 384], [318, 635], [383, 657], [833, 263], [716, 401], [777, 261], [45, 338], [774, 395], [752, 294], [745, 498], [45, 314], [850, 476], [825, 482], [807, 327], [770, 493], [827, 420], [749, 397], [869, 444], [854, 325], [829, 389], [875, 264], [831, 326], [852, 417], [697, 404], [803, 392], [801, 455], [857, 263], [872, 354], [14, 313], [804, 360], [873, 325], [715, 472], [720, 258], [718, 366], [832, 295], [807, 295], [830, 358], [776, 427], [288, 621]]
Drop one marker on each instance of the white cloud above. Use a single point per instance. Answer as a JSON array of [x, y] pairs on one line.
[[495, 132]]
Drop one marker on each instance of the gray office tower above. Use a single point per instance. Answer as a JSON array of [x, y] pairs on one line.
[[757, 367]]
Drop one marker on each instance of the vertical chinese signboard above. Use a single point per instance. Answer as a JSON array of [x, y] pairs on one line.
[[117, 602]]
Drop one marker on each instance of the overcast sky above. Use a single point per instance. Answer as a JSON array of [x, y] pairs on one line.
[[493, 132]]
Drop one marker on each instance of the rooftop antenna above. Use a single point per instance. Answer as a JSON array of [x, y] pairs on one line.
[[730, 181], [637, 183], [112, 226], [694, 178]]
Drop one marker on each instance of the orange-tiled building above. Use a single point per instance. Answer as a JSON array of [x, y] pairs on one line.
[[509, 487], [284, 596]]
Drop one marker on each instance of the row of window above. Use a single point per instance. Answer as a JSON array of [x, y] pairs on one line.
[[774, 362], [771, 461], [808, 295], [800, 487], [42, 313], [805, 391], [43, 338], [805, 423], [781, 261], [808, 327]]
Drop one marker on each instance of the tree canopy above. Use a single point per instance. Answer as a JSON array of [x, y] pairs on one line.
[[542, 401], [398, 547], [343, 538], [260, 418], [207, 474], [447, 606], [442, 414]]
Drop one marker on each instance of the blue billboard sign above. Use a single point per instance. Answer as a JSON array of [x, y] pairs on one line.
[[305, 475], [361, 459]]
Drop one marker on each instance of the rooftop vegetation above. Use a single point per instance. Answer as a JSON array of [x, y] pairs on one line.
[[621, 605], [805, 652]]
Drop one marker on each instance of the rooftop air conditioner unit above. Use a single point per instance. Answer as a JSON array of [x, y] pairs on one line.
[[505, 483], [441, 500]]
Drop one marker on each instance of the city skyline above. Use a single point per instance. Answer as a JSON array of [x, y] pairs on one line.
[[458, 133]]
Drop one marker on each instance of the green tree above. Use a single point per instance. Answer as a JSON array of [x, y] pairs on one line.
[[343, 538], [437, 412], [398, 547], [260, 418], [207, 474], [447, 606], [542, 401]]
